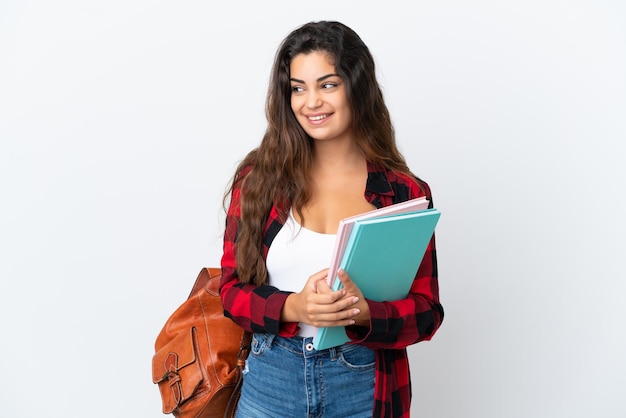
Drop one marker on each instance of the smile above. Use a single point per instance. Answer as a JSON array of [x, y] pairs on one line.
[[318, 117]]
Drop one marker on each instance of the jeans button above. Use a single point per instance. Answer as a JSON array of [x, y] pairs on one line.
[[309, 347]]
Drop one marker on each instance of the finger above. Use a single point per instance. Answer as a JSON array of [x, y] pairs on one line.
[[323, 287], [326, 299], [344, 317], [330, 309], [332, 302], [315, 278], [348, 284], [344, 277]]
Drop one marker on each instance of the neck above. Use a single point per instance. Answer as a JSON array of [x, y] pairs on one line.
[[330, 156]]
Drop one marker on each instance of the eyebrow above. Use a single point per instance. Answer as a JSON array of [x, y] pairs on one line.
[[324, 77]]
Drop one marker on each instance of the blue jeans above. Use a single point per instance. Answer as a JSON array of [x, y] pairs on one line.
[[287, 377]]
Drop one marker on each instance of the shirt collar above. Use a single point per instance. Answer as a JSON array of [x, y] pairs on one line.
[[377, 180]]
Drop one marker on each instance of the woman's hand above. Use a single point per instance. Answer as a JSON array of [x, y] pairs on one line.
[[319, 306], [364, 317]]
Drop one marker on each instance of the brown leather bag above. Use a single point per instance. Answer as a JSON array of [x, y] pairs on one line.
[[200, 354]]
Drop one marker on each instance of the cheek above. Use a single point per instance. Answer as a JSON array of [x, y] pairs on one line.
[[295, 105]]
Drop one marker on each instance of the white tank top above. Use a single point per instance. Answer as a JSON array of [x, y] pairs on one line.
[[296, 254]]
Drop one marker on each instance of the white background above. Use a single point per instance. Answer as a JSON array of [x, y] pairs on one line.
[[122, 121]]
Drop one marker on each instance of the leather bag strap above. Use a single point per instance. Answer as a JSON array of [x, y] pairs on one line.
[[206, 274]]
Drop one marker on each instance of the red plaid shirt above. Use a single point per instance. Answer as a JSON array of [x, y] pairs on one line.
[[394, 325]]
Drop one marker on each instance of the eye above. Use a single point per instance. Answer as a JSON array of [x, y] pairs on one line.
[[329, 85], [297, 89]]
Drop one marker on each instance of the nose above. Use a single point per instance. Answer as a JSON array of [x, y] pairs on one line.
[[313, 99]]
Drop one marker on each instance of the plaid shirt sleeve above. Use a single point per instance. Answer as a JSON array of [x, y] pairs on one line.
[[254, 308], [395, 325], [401, 323]]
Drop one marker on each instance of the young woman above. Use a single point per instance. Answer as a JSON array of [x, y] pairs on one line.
[[329, 152]]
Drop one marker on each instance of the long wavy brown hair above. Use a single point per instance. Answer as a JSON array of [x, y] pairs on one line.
[[277, 171]]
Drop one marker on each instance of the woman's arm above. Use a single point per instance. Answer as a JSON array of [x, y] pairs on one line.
[[418, 316], [407, 321], [254, 308]]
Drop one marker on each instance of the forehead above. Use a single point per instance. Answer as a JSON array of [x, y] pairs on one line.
[[312, 65]]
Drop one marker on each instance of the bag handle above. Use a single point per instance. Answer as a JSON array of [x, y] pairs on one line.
[[206, 274], [244, 350]]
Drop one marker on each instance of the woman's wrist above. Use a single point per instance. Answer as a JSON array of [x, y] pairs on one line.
[[289, 312]]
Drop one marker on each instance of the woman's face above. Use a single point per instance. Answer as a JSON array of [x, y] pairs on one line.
[[318, 97]]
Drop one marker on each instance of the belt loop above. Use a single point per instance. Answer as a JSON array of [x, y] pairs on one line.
[[269, 339], [333, 353]]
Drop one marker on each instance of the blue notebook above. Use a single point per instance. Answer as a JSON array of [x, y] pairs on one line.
[[382, 257]]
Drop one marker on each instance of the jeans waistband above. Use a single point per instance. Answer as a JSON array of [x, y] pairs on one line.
[[300, 345]]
